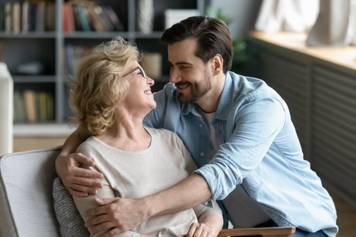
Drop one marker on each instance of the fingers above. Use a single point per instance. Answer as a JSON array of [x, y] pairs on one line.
[[112, 233], [199, 230], [83, 189], [83, 160], [105, 201], [94, 212], [100, 228], [98, 220], [77, 193], [192, 229]]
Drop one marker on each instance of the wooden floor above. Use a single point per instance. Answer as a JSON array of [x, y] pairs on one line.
[[346, 213]]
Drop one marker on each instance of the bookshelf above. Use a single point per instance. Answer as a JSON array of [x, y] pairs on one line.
[[41, 51]]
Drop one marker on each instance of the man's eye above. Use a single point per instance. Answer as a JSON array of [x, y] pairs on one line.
[[184, 67]]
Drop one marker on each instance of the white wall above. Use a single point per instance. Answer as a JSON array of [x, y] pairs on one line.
[[243, 14]]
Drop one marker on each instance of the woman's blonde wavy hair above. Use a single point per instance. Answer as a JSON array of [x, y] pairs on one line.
[[99, 87]]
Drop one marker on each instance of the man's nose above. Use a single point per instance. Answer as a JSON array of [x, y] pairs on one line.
[[174, 77]]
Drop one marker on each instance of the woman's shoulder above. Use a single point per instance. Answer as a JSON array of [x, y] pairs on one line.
[[87, 146], [160, 132], [166, 137]]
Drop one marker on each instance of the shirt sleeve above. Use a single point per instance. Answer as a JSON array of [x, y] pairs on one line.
[[83, 204], [256, 126]]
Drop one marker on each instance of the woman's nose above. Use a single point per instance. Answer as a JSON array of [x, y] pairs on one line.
[[150, 81]]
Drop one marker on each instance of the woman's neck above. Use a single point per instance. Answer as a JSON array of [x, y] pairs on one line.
[[128, 133]]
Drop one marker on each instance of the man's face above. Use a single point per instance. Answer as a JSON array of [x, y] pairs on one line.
[[189, 73]]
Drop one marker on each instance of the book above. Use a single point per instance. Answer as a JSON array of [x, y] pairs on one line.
[[7, 16], [50, 16], [25, 24], [19, 108], [113, 18], [40, 17], [68, 18], [30, 105], [2, 17]]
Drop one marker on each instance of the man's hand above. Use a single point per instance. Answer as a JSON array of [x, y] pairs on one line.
[[79, 181], [115, 215]]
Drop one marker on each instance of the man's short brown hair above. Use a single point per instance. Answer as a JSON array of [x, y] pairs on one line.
[[212, 35]]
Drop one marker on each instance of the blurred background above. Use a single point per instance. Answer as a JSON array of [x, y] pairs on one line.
[[304, 49]]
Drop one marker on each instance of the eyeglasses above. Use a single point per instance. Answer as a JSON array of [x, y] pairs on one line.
[[140, 72]]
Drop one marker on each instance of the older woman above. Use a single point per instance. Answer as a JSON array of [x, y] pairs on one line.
[[112, 95]]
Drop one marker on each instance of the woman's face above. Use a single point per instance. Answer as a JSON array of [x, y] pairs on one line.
[[139, 97]]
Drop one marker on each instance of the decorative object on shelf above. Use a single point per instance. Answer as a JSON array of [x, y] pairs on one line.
[[30, 68], [173, 16], [152, 64], [335, 25], [6, 109], [287, 15], [145, 15]]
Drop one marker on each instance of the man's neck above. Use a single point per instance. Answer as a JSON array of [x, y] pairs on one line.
[[210, 101]]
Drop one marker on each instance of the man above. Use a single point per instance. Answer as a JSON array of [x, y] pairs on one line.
[[237, 129]]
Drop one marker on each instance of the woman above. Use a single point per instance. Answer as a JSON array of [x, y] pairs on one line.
[[112, 95]]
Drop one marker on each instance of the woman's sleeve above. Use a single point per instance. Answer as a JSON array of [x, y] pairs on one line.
[[83, 204]]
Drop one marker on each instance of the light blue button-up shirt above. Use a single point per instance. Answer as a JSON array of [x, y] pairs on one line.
[[260, 151]]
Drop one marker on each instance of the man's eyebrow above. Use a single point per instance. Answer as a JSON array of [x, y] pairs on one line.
[[180, 63]]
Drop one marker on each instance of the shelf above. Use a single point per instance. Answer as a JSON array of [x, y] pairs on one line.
[[34, 79], [59, 52], [43, 130], [151, 35], [95, 35], [29, 35]]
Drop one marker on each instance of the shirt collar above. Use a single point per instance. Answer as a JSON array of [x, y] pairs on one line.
[[223, 108], [226, 96]]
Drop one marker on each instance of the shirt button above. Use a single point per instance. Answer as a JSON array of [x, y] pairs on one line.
[[201, 153]]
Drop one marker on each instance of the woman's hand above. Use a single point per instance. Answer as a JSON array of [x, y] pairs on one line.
[[79, 181], [201, 230]]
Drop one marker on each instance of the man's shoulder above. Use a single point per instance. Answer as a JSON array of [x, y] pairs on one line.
[[250, 88]]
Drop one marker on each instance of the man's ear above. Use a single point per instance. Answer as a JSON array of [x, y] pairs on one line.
[[217, 64]]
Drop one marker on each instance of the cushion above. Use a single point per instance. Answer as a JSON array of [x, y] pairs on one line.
[[70, 222]]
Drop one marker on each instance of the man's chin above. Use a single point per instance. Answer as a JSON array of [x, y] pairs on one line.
[[185, 99]]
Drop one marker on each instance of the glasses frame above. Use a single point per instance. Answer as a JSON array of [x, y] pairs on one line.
[[139, 67]]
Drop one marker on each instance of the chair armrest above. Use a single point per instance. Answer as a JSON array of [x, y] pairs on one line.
[[264, 231]]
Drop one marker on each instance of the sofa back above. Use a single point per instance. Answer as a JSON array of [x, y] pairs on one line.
[[26, 194]]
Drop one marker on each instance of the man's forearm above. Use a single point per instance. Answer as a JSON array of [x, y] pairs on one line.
[[186, 194], [74, 140]]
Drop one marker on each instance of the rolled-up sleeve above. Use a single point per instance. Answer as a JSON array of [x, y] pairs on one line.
[[256, 125]]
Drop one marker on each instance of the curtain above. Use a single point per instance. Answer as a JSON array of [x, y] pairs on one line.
[[335, 25], [287, 15], [328, 22]]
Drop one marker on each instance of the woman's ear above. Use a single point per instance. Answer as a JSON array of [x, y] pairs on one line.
[[217, 64]]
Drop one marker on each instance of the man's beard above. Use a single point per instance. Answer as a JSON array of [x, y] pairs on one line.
[[197, 90]]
